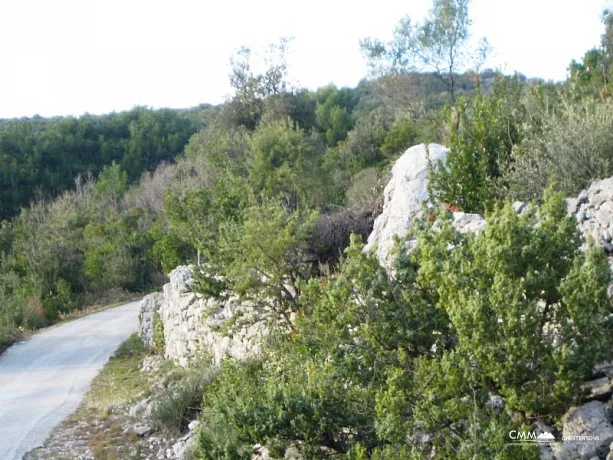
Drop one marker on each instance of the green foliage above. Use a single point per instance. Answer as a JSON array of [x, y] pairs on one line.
[[43, 156], [170, 249], [118, 254], [376, 363], [179, 402], [573, 148], [133, 346], [483, 133], [594, 73], [112, 182], [438, 45], [196, 218], [257, 95], [362, 148], [285, 164], [333, 113], [159, 342], [64, 296], [264, 257], [400, 137], [514, 298]]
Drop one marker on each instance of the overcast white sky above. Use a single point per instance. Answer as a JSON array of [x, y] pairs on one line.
[[63, 57]]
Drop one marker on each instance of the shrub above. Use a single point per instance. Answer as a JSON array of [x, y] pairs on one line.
[[180, 401], [400, 137], [64, 296], [529, 311], [482, 135], [574, 149], [362, 148], [33, 313], [333, 231], [376, 362], [365, 189], [159, 343], [51, 308]]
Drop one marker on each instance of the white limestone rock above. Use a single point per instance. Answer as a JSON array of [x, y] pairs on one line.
[[191, 322], [404, 195], [468, 223], [590, 420]]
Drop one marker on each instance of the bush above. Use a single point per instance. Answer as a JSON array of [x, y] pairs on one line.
[[362, 148], [180, 401], [375, 362], [482, 135], [333, 231], [575, 148], [400, 137], [159, 343], [365, 189], [33, 313], [529, 311], [51, 308]]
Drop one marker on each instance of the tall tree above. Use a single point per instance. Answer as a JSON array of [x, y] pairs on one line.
[[597, 67], [439, 45], [254, 92]]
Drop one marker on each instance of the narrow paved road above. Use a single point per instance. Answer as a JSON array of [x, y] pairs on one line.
[[44, 379]]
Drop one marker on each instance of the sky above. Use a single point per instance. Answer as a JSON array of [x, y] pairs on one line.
[[69, 57]]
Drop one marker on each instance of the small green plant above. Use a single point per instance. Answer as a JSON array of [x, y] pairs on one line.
[[131, 347], [159, 342], [175, 407], [64, 296]]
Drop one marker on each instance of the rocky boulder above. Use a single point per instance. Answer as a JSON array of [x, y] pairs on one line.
[[587, 433], [403, 197], [593, 209]]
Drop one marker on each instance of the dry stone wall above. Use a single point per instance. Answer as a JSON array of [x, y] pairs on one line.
[[192, 322]]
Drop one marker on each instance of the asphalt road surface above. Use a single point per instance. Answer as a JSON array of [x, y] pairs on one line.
[[43, 380]]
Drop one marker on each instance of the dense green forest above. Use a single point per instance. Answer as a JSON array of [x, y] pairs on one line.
[[287, 182], [43, 157]]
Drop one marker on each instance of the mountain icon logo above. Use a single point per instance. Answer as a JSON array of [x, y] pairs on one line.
[[545, 437]]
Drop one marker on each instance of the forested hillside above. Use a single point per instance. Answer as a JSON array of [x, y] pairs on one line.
[[99, 206], [43, 157], [272, 193]]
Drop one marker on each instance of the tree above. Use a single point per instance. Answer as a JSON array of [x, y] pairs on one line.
[[284, 163], [195, 217], [112, 183], [254, 91], [263, 258], [333, 112], [596, 69], [439, 45], [118, 254], [480, 150]]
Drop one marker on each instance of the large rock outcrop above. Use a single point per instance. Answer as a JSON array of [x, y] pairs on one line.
[[403, 197], [407, 192], [192, 322], [403, 200]]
